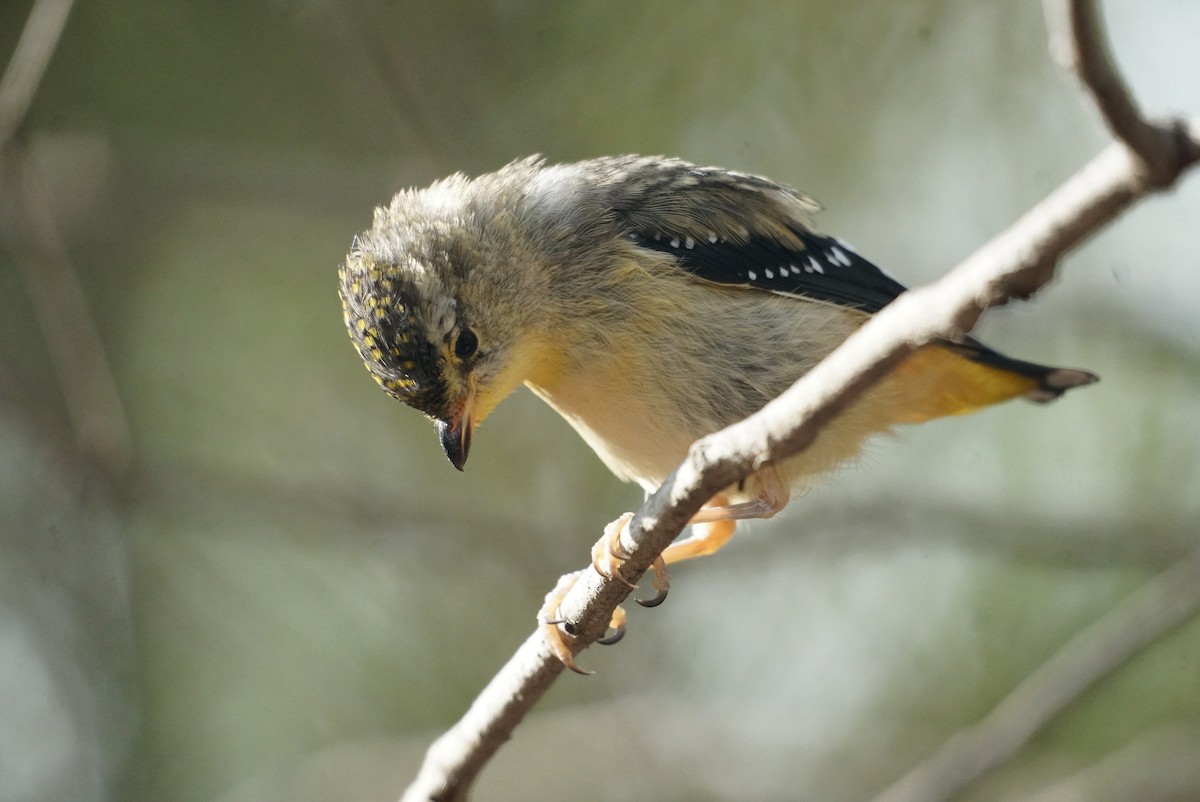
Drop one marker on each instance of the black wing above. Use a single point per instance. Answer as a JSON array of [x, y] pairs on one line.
[[817, 267]]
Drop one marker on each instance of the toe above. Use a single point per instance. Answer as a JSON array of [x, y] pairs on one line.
[[617, 624], [555, 630], [608, 555], [661, 585]]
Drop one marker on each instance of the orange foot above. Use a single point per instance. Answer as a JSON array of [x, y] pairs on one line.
[[712, 528], [559, 633], [608, 555]]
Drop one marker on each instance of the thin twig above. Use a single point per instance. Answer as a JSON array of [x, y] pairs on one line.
[[77, 354], [1080, 43], [1013, 265], [28, 64], [1155, 766], [59, 302], [1164, 603]]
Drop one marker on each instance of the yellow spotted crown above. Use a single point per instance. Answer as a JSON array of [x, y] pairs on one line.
[[382, 312]]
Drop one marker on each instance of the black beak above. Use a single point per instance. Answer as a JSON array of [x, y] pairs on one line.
[[456, 440]]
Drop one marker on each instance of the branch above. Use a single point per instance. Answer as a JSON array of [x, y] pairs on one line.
[[1162, 604], [30, 58], [44, 261], [1078, 42], [1013, 265], [68, 327]]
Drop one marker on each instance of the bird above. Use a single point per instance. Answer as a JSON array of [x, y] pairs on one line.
[[649, 301]]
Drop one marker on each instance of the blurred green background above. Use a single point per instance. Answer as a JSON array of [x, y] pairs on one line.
[[232, 569]]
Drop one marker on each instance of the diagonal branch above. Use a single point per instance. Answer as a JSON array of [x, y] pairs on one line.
[[1015, 264], [1164, 603], [28, 63], [44, 261]]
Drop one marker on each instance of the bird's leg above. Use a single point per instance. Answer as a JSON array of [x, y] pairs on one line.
[[712, 527], [608, 554], [607, 557], [555, 630]]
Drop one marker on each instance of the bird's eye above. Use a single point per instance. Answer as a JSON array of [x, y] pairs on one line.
[[466, 344]]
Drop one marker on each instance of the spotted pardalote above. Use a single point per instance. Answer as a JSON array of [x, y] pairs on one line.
[[649, 301]]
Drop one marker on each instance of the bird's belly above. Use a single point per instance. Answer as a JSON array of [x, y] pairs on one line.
[[637, 442], [642, 441], [642, 394]]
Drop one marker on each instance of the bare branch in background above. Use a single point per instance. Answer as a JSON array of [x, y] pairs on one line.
[[1167, 601], [28, 64], [1148, 157], [44, 262]]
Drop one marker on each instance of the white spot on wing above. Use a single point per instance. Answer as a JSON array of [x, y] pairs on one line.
[[675, 242], [837, 255], [769, 274], [814, 266], [689, 243], [712, 237], [854, 251], [751, 275]]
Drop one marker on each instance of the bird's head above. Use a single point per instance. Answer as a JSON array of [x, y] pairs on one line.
[[434, 296]]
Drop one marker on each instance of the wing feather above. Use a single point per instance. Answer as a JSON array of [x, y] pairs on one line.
[[816, 267], [740, 230]]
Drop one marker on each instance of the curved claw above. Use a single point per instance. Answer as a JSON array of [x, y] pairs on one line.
[[618, 625], [608, 555], [657, 599], [609, 640], [661, 585], [554, 635], [560, 649]]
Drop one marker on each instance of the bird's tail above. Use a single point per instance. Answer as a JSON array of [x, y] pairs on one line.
[[954, 378]]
